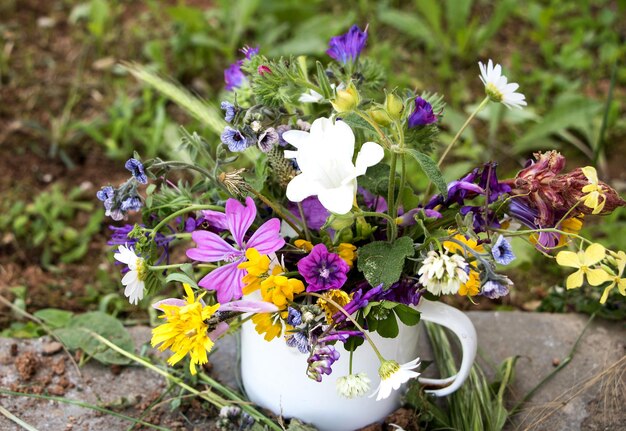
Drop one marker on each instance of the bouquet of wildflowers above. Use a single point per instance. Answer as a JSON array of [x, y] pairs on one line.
[[305, 217]]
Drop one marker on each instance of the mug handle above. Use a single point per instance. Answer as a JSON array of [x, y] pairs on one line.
[[455, 320]]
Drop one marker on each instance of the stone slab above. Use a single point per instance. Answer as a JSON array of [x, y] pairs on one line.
[[585, 395]]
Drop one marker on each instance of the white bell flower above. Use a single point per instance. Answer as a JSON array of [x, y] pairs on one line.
[[324, 156]]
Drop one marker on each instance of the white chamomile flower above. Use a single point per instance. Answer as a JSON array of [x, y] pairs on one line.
[[324, 156], [443, 274], [393, 375], [134, 278], [498, 89], [353, 385]]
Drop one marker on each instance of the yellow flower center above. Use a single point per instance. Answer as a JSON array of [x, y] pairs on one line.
[[494, 93]]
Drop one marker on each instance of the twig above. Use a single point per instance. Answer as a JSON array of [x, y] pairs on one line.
[[17, 420]]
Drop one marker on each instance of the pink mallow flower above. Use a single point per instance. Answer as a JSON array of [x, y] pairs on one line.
[[226, 280]]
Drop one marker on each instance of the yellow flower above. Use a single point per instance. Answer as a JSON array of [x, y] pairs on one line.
[[595, 199], [583, 260], [472, 286], [257, 267], [570, 225], [279, 289], [303, 245], [471, 243], [268, 324], [347, 253], [336, 295], [185, 331], [616, 280]]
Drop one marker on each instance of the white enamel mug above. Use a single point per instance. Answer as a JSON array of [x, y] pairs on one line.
[[274, 374]]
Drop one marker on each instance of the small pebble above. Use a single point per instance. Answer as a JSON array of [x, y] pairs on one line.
[[13, 349], [556, 362], [49, 349]]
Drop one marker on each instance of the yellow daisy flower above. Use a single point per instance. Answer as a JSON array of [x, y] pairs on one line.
[[472, 286], [583, 260], [185, 331], [303, 245], [453, 247]]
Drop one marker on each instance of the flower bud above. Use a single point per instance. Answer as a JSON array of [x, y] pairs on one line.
[[380, 116], [394, 106], [346, 100]]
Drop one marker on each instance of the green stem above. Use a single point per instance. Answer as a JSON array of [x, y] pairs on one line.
[[391, 222], [279, 211], [307, 234], [177, 265], [530, 232], [185, 210], [462, 129], [181, 165], [391, 190], [354, 322], [376, 127], [82, 404]]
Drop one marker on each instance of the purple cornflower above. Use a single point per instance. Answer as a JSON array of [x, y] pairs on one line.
[[136, 168], [226, 280], [229, 111], [233, 76], [267, 139], [495, 289], [502, 251], [249, 52], [321, 360], [422, 115], [323, 270], [234, 139], [347, 47]]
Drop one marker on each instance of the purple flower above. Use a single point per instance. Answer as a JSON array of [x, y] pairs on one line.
[[340, 336], [406, 291], [502, 251], [226, 279], [136, 168], [359, 301], [347, 47], [249, 52], [234, 139], [299, 340], [280, 130], [408, 218], [268, 139], [521, 211], [294, 317], [111, 209], [323, 270], [314, 212], [422, 115], [320, 361], [131, 203], [375, 203], [233, 76], [229, 111], [119, 236], [490, 184], [495, 289]]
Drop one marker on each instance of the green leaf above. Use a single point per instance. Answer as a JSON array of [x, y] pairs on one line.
[[388, 328], [181, 278], [75, 336], [382, 263], [431, 170], [54, 317], [409, 316], [376, 179], [323, 82]]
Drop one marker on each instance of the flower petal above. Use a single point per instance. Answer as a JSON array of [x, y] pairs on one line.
[[594, 254], [216, 219], [371, 153], [296, 137], [338, 200], [568, 258], [301, 187], [575, 280], [240, 218], [267, 237], [597, 276], [226, 281], [248, 306], [175, 302], [211, 247]]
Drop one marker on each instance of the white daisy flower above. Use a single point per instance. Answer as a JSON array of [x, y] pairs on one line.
[[393, 375], [353, 385], [134, 278], [497, 88], [443, 274]]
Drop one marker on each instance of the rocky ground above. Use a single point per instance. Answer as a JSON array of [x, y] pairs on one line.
[[586, 395]]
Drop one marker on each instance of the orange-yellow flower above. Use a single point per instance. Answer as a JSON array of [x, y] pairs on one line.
[[303, 245], [268, 324], [347, 253], [335, 295], [257, 267], [279, 289]]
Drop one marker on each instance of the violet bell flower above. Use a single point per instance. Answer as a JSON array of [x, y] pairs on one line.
[[347, 47], [233, 76], [422, 115], [226, 280]]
